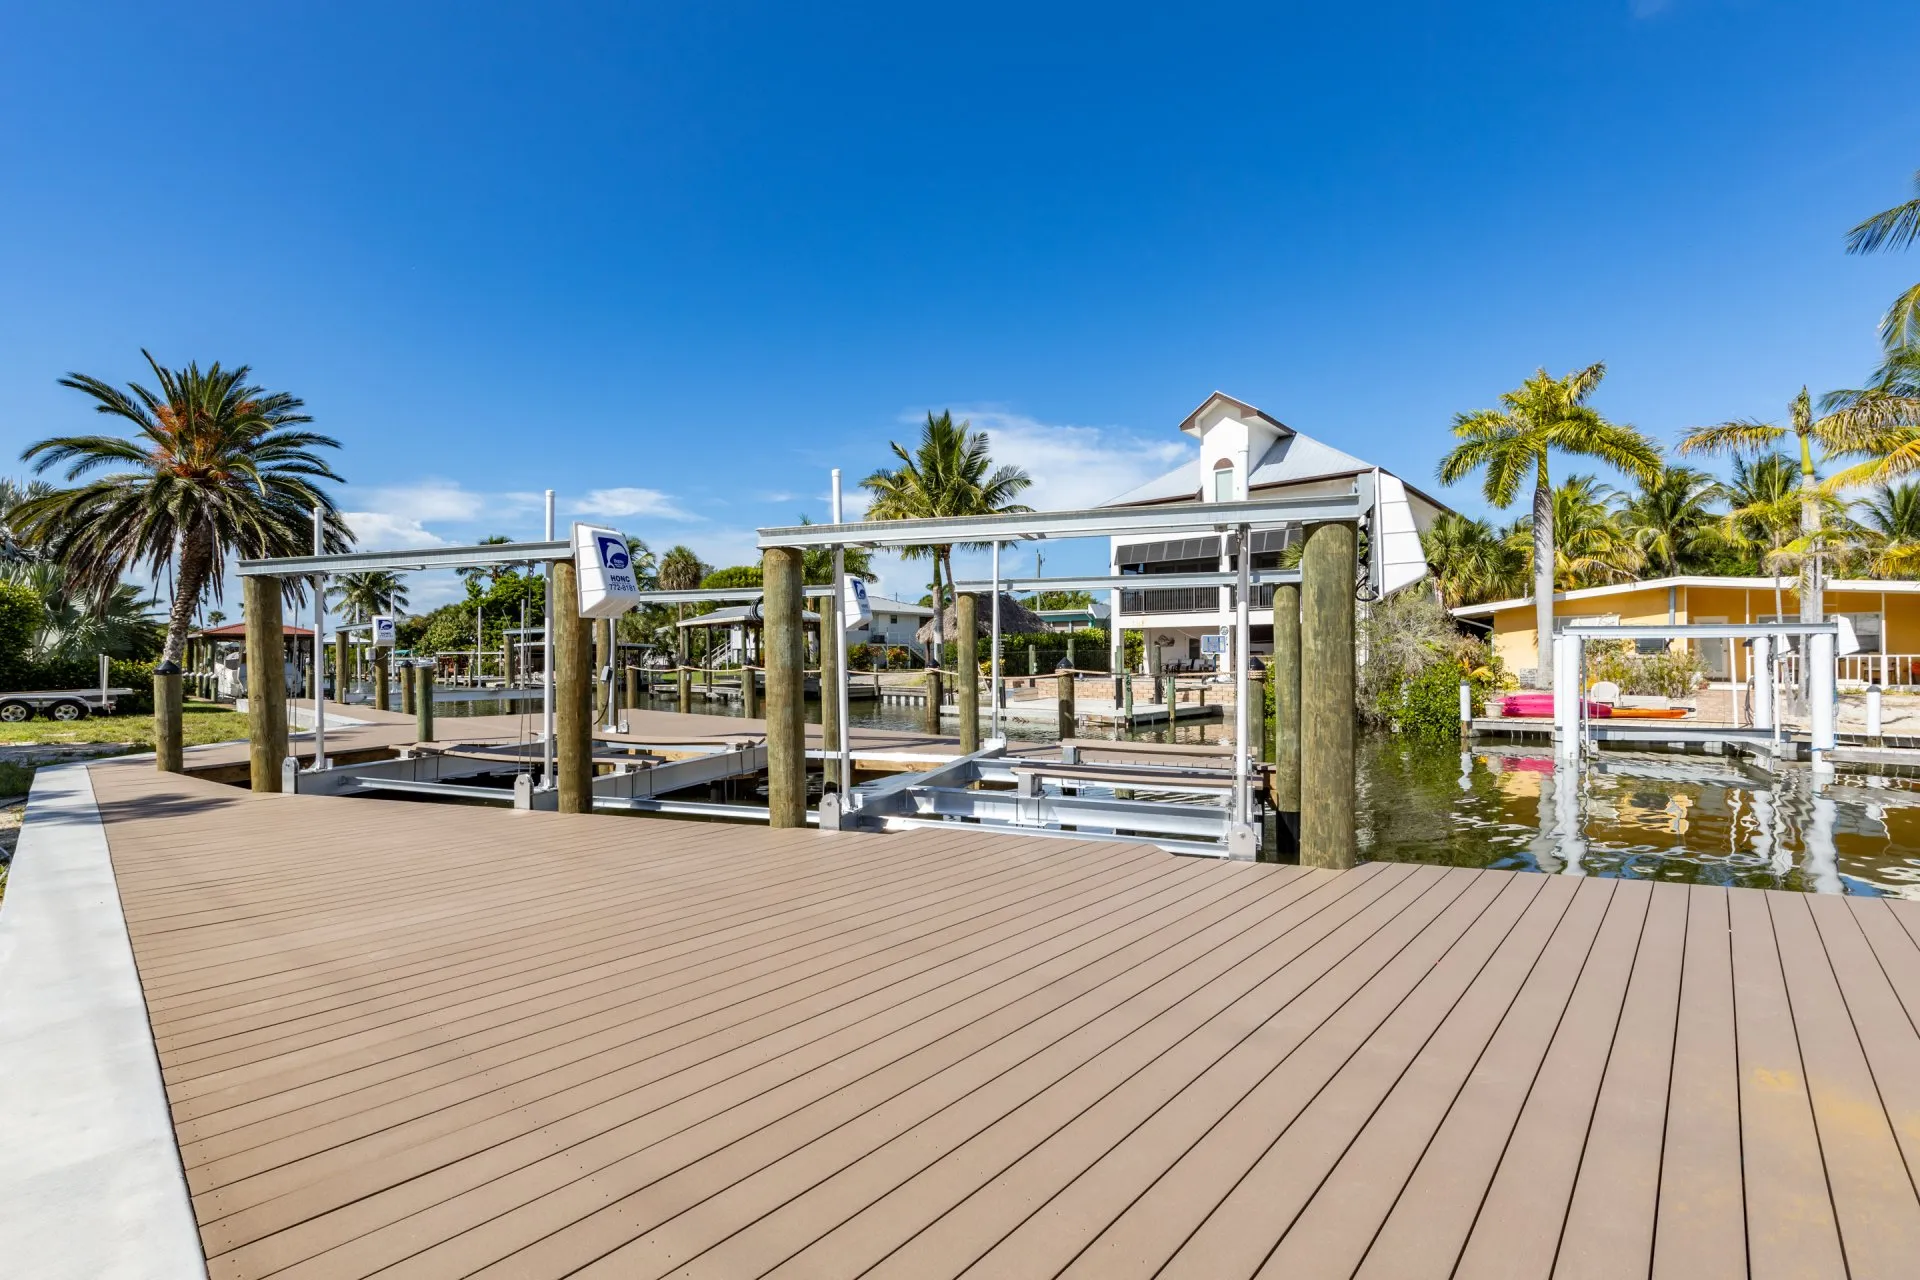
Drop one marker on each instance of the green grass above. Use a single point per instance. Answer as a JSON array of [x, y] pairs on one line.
[[200, 723]]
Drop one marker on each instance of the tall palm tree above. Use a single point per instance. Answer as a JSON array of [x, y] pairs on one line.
[[215, 466], [1510, 443], [1879, 424], [1671, 520], [949, 473], [1891, 524], [1764, 504], [1472, 562], [680, 570], [1750, 437], [1894, 228], [367, 592], [1591, 547]]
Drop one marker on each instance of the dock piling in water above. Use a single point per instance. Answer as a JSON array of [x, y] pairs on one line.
[[1327, 837], [966, 687], [423, 702]]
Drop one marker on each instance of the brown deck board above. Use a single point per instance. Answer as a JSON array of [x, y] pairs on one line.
[[433, 1041]]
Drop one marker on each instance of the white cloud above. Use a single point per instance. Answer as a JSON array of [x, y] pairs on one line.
[[387, 531], [1075, 467], [626, 503]]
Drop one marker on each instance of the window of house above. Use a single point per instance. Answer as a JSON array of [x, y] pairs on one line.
[[1223, 481]]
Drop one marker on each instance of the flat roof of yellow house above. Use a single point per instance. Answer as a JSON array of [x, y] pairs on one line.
[[1491, 607]]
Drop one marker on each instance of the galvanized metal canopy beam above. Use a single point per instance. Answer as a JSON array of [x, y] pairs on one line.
[[420, 559], [722, 595], [1100, 522], [1698, 630], [1134, 581]]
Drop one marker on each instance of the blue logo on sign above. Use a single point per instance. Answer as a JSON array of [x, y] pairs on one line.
[[613, 552]]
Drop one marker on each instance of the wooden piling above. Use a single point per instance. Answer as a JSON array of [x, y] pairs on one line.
[[829, 681], [633, 689], [167, 735], [266, 682], [1064, 694], [966, 680], [382, 679], [409, 691], [1284, 672], [423, 702], [749, 691], [572, 693], [783, 647], [1326, 697]]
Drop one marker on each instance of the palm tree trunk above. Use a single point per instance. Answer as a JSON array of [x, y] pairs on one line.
[[196, 562], [1543, 574], [1810, 601]]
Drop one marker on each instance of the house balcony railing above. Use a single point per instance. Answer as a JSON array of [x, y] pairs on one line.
[[1189, 600], [1888, 670]]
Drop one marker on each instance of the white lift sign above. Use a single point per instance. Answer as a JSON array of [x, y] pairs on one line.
[[383, 636], [608, 587]]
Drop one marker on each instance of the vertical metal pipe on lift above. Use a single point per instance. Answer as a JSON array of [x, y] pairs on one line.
[[1242, 711], [1875, 738], [319, 663], [547, 779], [845, 673], [1566, 699], [993, 681], [1819, 649], [1760, 680]]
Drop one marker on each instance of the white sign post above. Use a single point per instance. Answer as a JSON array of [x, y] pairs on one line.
[[608, 587]]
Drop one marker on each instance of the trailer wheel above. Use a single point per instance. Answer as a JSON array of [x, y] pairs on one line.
[[15, 712], [68, 709]]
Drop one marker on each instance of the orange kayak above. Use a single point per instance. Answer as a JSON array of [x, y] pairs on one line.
[[1649, 713]]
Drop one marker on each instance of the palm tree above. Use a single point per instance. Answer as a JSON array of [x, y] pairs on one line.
[[1764, 511], [14, 545], [1891, 523], [1472, 562], [680, 570], [1748, 436], [1879, 424], [1670, 518], [473, 575], [949, 473], [1894, 228], [1541, 415], [215, 466], [1591, 547], [367, 592]]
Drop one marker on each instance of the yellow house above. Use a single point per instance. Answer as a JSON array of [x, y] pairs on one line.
[[1885, 617]]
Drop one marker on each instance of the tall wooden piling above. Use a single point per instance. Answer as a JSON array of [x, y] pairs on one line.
[[829, 681], [1284, 672], [382, 679], [749, 690], [167, 735], [1326, 697], [572, 693], [1064, 695], [783, 646], [409, 691], [632, 690], [423, 702], [266, 682], [966, 679]]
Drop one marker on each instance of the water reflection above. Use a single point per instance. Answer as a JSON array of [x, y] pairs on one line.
[[1660, 817]]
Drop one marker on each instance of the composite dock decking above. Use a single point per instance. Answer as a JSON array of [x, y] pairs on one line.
[[423, 1040]]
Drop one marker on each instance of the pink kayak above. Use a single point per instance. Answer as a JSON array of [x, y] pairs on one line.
[[1541, 705]]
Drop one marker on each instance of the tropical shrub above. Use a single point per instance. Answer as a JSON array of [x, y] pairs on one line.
[[20, 612], [1670, 673]]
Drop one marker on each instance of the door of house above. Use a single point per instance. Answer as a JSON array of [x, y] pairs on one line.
[[1715, 654]]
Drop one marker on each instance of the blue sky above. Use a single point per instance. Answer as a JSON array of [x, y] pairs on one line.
[[676, 261]]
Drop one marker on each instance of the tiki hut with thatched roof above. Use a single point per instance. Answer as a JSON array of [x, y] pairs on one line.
[[1015, 619]]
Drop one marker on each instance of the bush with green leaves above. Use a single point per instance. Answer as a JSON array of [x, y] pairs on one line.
[[20, 612], [1669, 673]]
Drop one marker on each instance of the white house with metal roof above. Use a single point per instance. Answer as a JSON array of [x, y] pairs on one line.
[[1245, 453]]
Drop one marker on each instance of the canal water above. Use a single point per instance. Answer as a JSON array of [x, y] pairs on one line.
[[1692, 819]]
